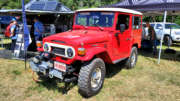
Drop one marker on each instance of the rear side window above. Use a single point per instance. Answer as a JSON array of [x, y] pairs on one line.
[[158, 26], [152, 25], [137, 22]]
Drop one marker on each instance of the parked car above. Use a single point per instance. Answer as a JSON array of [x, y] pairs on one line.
[[172, 32], [99, 36]]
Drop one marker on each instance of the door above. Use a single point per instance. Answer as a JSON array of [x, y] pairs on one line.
[[122, 40], [136, 29]]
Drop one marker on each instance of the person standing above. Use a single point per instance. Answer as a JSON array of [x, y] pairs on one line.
[[14, 33], [38, 29], [153, 38]]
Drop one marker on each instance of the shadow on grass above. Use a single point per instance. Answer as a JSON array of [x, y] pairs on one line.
[[113, 69], [175, 45], [6, 54], [56, 85], [164, 55]]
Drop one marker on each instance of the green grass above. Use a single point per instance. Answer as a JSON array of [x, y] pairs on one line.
[[148, 81]]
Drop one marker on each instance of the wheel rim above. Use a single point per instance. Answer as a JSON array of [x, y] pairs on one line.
[[96, 77], [133, 59]]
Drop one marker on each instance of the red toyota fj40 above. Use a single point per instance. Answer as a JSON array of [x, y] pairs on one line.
[[99, 36]]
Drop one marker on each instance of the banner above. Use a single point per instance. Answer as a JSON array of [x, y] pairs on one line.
[[27, 38]]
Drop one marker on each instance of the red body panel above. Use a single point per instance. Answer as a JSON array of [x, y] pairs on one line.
[[97, 42]]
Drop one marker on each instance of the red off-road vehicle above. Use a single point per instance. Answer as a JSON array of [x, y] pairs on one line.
[[99, 36]]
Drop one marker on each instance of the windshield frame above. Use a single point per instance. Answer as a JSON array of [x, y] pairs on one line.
[[96, 25]]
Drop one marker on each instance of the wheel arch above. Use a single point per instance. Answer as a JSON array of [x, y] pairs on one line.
[[104, 56], [167, 35], [135, 45], [95, 52]]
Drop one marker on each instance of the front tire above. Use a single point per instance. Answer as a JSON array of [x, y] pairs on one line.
[[132, 60], [91, 77]]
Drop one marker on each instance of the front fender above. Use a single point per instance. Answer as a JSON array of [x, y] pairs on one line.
[[90, 53]]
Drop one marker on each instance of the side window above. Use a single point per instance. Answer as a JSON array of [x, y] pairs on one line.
[[158, 26], [137, 22], [123, 19], [82, 21], [152, 25], [94, 20]]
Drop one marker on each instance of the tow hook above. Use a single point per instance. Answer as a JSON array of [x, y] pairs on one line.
[[69, 80]]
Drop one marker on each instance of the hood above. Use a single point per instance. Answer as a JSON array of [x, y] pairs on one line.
[[76, 37]]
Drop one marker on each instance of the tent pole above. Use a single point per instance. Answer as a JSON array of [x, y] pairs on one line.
[[164, 22], [170, 32]]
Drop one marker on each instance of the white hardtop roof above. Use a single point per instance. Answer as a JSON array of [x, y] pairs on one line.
[[111, 10], [161, 23]]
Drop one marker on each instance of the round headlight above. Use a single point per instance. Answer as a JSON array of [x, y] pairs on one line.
[[70, 52], [46, 47]]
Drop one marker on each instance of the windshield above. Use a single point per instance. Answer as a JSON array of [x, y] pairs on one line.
[[172, 26], [102, 19]]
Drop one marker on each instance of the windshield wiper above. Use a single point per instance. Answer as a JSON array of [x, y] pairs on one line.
[[101, 28]]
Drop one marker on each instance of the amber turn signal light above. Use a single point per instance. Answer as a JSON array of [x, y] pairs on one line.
[[81, 51], [39, 44]]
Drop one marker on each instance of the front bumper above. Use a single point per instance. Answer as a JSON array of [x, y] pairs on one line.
[[176, 38], [45, 64], [46, 70]]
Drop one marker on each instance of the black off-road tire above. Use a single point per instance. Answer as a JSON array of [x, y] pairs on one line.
[[84, 80], [129, 64]]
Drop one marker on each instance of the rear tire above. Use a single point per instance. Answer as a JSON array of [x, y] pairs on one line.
[[91, 77], [132, 60]]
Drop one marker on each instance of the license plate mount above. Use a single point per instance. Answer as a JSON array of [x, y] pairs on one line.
[[60, 66]]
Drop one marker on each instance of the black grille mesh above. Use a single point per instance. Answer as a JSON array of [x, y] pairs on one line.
[[60, 51]]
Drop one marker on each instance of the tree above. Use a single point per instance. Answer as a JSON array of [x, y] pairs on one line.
[[10, 4]]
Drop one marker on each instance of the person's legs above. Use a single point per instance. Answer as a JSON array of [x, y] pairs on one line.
[[151, 46], [13, 44], [154, 48]]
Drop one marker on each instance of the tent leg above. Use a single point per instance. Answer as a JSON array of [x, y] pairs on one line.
[[164, 22]]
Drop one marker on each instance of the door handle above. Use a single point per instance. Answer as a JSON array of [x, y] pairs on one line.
[[117, 34], [127, 39]]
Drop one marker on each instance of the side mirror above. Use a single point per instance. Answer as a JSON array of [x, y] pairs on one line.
[[122, 28]]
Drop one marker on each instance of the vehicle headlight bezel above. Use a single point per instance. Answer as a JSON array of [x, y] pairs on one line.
[[46, 47], [70, 52]]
